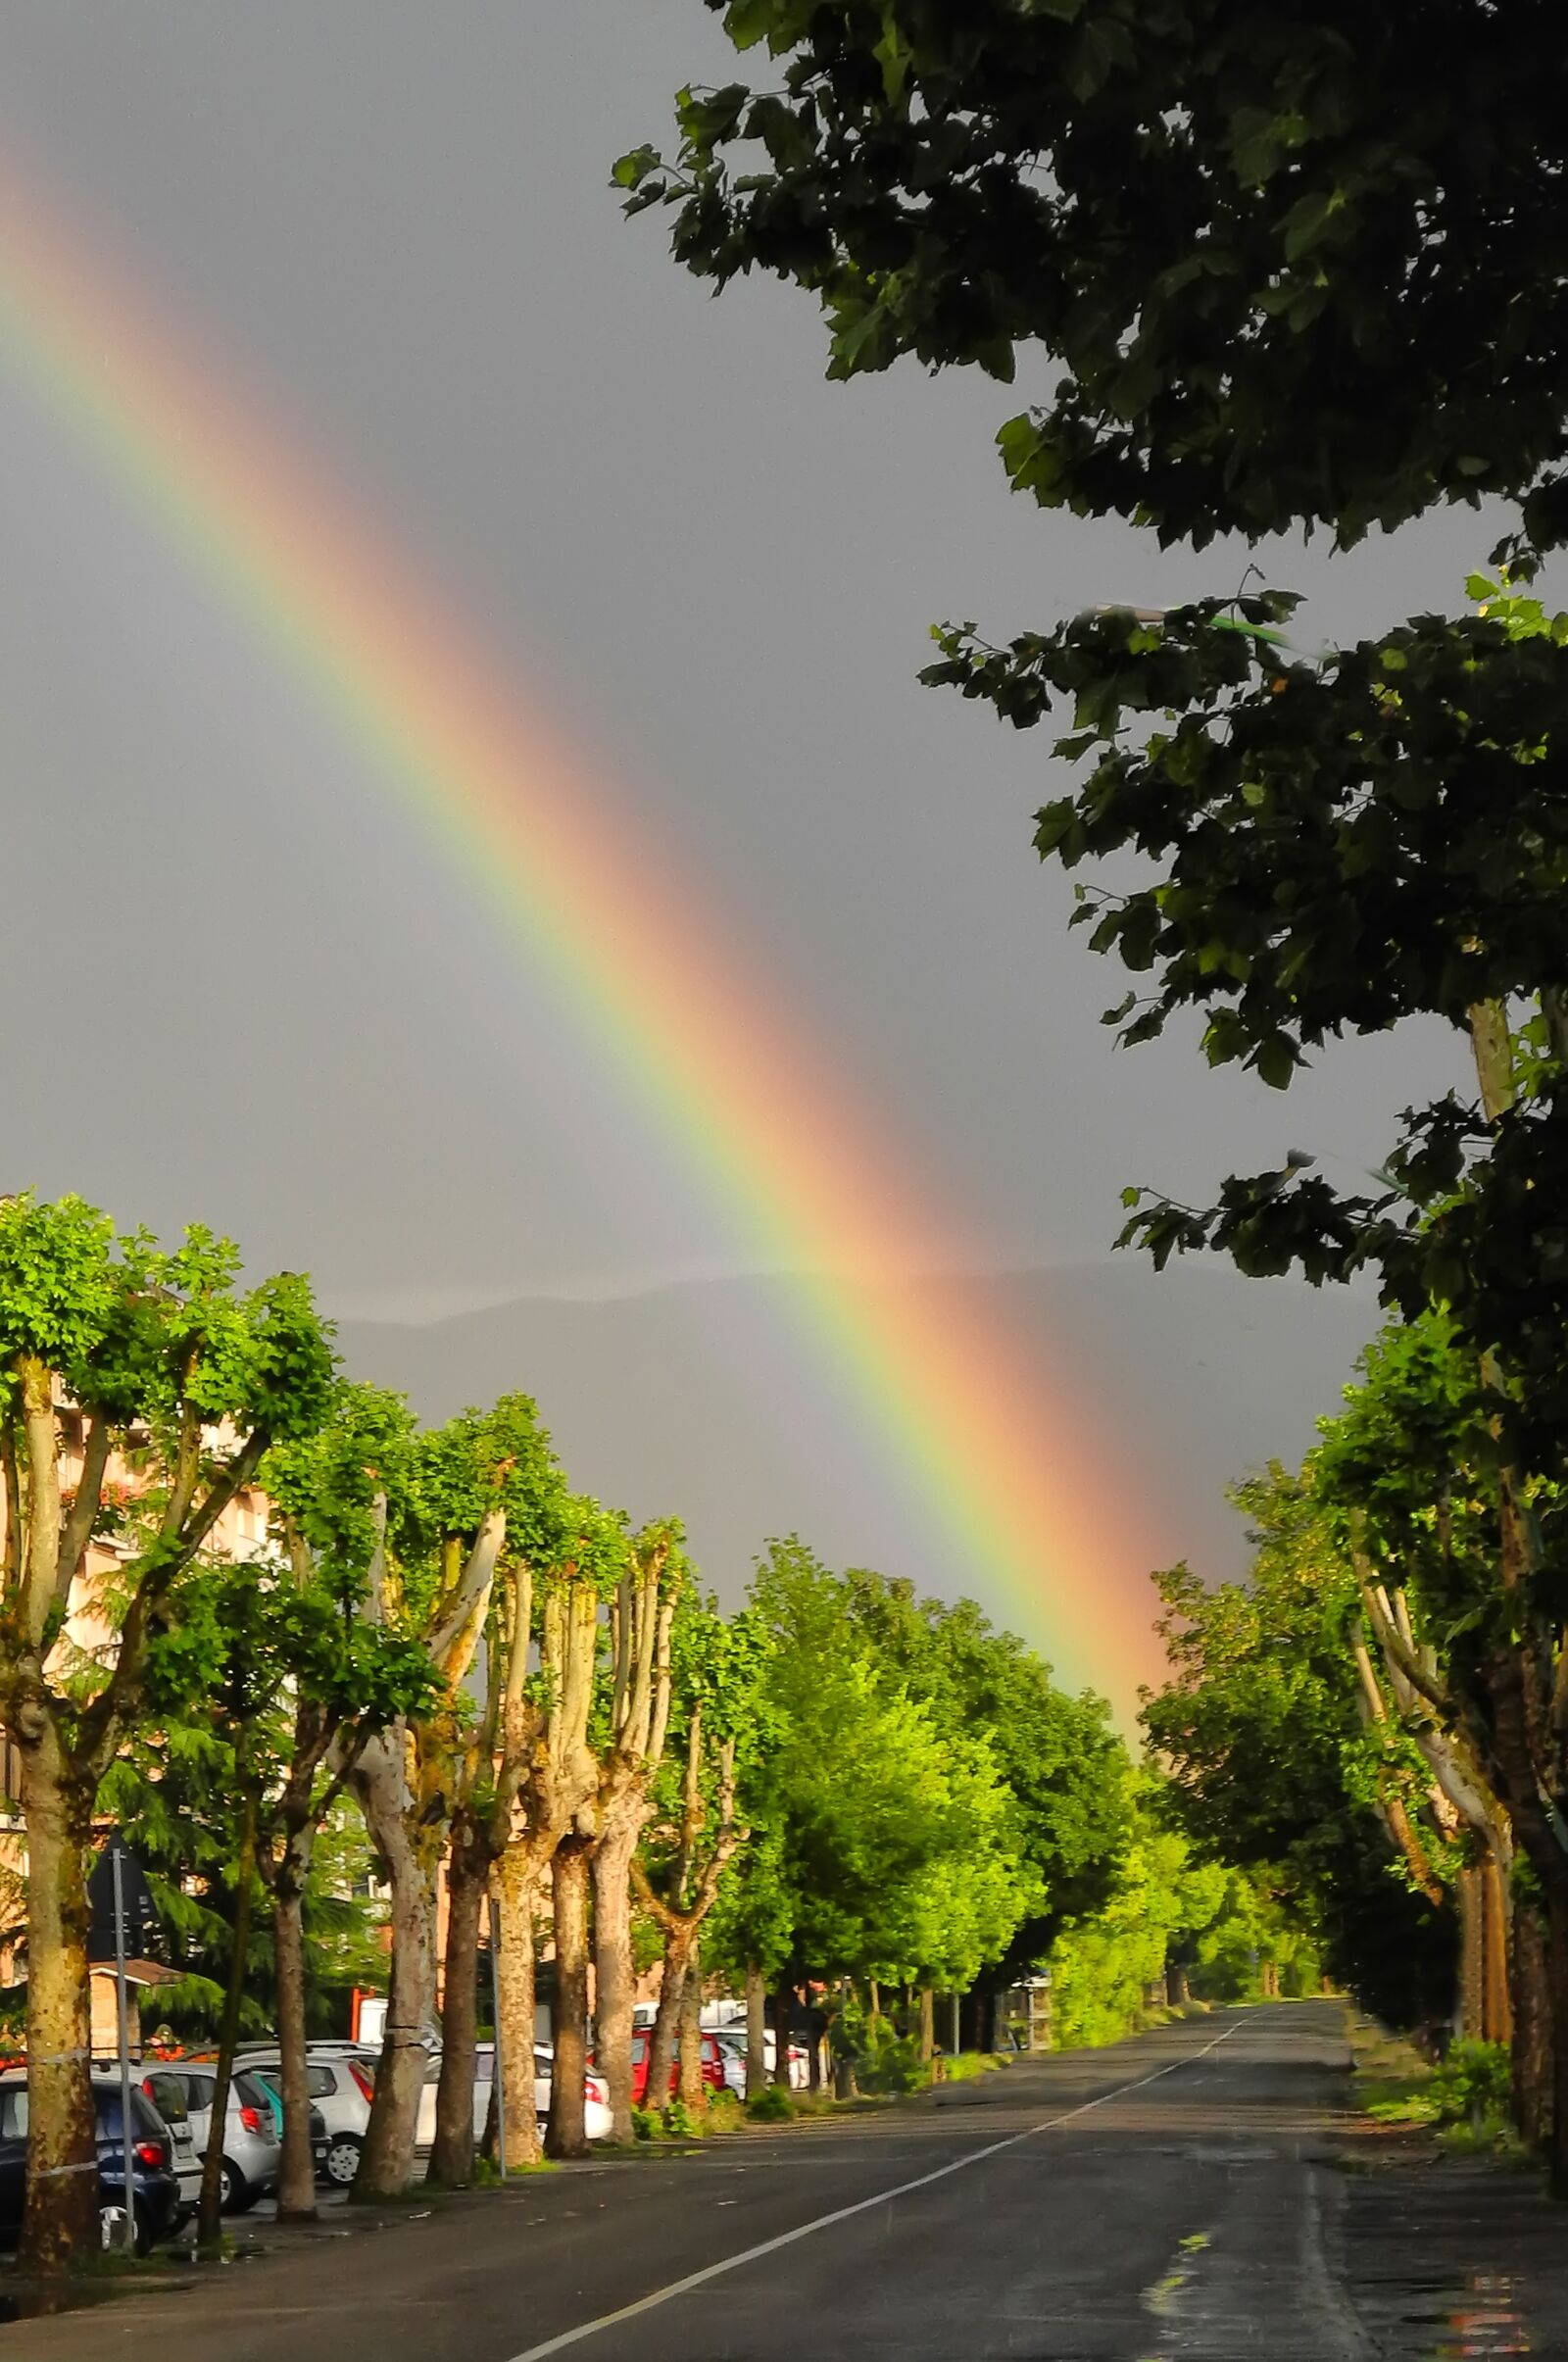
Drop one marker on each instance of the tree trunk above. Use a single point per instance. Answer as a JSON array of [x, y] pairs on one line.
[[1557, 1972], [1178, 1993], [296, 2175], [386, 2159], [209, 2218], [61, 2223], [468, 1882], [1531, 2056], [613, 1975], [514, 1893], [679, 1946], [690, 2089], [1497, 2015], [928, 2025], [564, 2134], [783, 2019], [755, 2030], [1472, 1955]]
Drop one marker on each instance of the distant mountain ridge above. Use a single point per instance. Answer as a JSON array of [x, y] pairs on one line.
[[690, 1399]]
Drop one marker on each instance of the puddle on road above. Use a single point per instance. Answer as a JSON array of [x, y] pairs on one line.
[[1484, 2320]]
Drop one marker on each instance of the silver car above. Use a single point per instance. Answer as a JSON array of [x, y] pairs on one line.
[[252, 2150], [340, 2083]]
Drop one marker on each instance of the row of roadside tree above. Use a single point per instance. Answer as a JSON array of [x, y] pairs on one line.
[[419, 1653]]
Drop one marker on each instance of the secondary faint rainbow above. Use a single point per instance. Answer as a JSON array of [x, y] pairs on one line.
[[1028, 1502]]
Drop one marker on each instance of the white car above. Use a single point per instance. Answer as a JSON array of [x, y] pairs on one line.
[[731, 2040], [598, 2123]]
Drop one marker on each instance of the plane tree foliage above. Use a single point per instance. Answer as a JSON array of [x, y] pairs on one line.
[[1060, 1762], [927, 1807], [112, 1349], [1244, 289], [1104, 1968], [1271, 1766]]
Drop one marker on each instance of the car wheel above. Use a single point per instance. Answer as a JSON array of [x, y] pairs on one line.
[[238, 2197], [342, 2160], [111, 2228]]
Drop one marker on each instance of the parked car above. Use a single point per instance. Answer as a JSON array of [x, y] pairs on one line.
[[340, 2083], [165, 2087], [732, 2053], [598, 2123], [731, 2040], [154, 2184], [713, 2074], [252, 2147]]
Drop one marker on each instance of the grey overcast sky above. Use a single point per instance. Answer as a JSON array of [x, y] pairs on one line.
[[268, 1002]]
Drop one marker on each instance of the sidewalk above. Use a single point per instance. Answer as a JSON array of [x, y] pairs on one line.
[[1446, 2258]]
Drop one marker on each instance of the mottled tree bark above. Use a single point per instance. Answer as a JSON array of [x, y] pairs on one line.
[[614, 1976], [1496, 2012], [61, 2221], [755, 2030], [690, 2086], [681, 1944], [515, 1893], [407, 1858], [1531, 2054], [783, 2020], [209, 2218], [296, 2175], [565, 2135], [1472, 1955], [928, 2024], [468, 1882]]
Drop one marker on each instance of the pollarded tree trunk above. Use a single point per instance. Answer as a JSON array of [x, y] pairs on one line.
[[209, 2222], [755, 2030], [61, 2221], [783, 2019], [614, 1978], [386, 2159], [296, 2177], [1557, 1970], [680, 1945], [514, 1881], [1472, 1955], [928, 2025], [690, 2085], [1497, 2025], [565, 2135], [1531, 2054], [467, 1880]]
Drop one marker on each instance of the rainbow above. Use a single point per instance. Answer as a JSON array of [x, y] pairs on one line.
[[1026, 1502]]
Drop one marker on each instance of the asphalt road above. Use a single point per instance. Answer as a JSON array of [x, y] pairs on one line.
[[1161, 2199]]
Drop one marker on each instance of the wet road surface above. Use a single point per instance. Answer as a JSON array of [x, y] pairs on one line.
[[1166, 2198]]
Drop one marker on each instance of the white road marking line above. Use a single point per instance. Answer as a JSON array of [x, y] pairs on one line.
[[843, 2214]]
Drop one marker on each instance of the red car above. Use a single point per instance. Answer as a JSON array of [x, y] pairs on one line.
[[712, 2065]]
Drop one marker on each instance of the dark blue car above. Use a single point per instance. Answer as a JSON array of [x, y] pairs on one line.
[[155, 2186]]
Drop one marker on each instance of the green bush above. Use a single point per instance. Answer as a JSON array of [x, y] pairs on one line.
[[644, 2123], [681, 2123], [772, 2105], [965, 2065], [724, 2111], [1473, 2085]]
